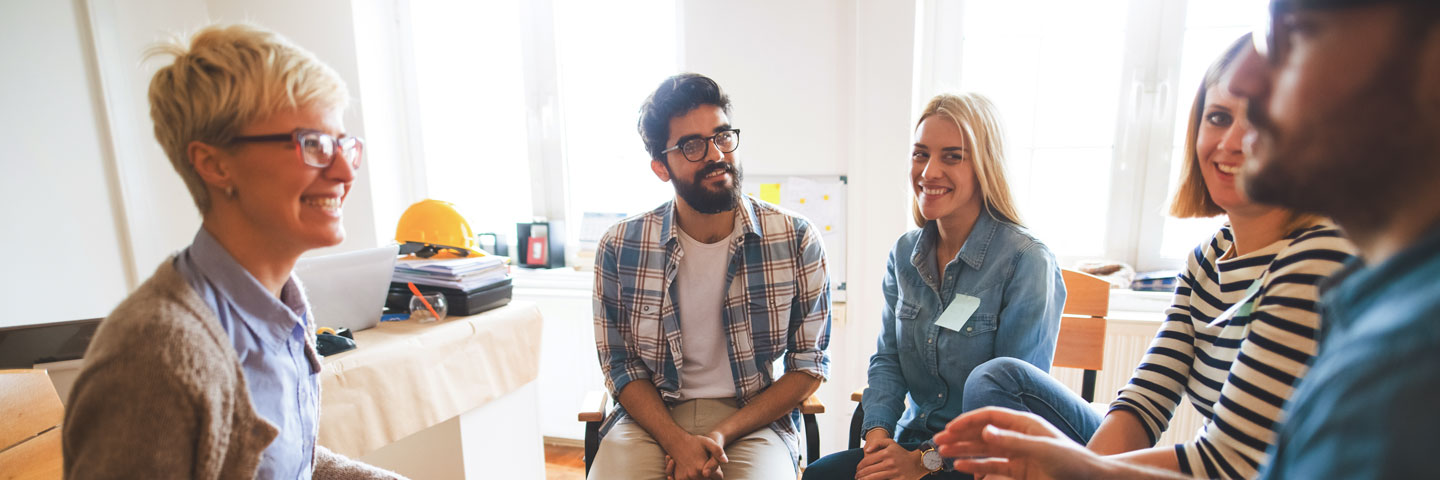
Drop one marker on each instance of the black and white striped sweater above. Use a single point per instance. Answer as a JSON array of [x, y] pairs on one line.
[[1238, 366]]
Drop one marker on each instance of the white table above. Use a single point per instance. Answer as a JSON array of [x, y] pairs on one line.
[[453, 399]]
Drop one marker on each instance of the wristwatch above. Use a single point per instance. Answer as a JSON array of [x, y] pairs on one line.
[[930, 458]]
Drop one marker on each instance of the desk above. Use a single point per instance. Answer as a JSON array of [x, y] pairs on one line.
[[437, 383]]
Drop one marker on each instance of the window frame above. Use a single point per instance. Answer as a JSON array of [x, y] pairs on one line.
[[1146, 116]]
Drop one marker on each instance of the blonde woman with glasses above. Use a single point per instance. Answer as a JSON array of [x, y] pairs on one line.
[[209, 370], [970, 285]]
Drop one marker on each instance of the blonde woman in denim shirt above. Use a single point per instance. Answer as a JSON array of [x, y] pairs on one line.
[[969, 286]]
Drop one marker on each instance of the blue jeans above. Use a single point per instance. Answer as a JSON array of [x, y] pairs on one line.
[[1017, 385], [841, 466]]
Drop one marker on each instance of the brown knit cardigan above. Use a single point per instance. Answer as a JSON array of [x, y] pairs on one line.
[[162, 395]]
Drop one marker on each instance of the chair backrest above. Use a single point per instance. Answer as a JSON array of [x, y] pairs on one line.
[[1082, 322], [30, 416]]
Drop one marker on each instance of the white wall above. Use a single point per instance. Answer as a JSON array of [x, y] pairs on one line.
[[66, 251], [785, 66]]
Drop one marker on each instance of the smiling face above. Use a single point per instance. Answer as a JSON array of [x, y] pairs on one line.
[[279, 197], [1218, 142], [708, 186], [942, 172], [1340, 111]]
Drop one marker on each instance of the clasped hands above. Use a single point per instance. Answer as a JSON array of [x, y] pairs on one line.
[[695, 457]]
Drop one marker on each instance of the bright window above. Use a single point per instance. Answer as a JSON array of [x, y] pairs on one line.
[[528, 109], [609, 60], [1088, 94], [1209, 28], [1061, 122], [474, 140]]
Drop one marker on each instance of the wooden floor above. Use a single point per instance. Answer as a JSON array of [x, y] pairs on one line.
[[564, 463]]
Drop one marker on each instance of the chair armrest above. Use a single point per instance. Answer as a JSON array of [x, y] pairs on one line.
[[858, 394], [812, 406], [595, 406]]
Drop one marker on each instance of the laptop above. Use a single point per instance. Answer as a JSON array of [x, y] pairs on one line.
[[348, 289]]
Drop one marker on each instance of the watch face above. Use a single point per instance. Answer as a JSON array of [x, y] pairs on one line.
[[931, 459]]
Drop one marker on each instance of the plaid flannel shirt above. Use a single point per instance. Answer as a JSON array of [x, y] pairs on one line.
[[777, 302]]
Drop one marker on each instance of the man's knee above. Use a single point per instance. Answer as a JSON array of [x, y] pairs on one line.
[[627, 451], [760, 455]]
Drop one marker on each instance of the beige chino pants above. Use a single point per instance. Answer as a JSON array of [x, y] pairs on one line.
[[629, 452]]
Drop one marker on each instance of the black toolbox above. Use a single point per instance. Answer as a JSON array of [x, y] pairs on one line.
[[460, 302]]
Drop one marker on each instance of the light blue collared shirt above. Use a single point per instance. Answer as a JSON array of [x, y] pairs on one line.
[[268, 334], [917, 375]]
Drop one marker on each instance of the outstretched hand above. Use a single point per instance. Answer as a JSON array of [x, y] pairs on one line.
[[1022, 446]]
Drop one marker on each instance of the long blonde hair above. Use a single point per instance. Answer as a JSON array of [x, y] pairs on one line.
[[979, 121]]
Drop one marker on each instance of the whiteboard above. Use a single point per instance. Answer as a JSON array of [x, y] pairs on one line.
[[821, 200]]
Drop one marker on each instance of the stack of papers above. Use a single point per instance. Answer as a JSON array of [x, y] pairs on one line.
[[466, 274]]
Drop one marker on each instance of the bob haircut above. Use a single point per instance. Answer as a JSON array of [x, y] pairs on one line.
[[978, 120], [228, 77], [1192, 199]]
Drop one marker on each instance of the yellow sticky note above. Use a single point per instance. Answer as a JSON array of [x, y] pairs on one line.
[[802, 201], [770, 192], [827, 228], [827, 197]]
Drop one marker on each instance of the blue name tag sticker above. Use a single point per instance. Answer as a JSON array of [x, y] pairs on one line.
[[958, 313]]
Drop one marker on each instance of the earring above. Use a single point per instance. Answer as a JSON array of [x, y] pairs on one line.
[[230, 191]]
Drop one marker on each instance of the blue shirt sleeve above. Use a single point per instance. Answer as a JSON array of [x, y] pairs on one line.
[[1029, 319], [884, 398], [1374, 419]]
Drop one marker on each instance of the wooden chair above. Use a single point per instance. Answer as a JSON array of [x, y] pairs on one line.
[[30, 416], [597, 406], [1081, 343]]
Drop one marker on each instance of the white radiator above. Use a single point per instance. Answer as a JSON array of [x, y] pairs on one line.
[[1125, 344]]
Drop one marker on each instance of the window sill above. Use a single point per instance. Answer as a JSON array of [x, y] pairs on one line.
[[1126, 304]]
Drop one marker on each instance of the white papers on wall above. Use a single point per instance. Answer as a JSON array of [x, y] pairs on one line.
[[821, 200]]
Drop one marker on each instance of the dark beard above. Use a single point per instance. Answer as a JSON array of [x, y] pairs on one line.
[[704, 200], [1350, 162]]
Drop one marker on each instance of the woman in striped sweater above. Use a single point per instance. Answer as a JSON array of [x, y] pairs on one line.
[[1240, 333]]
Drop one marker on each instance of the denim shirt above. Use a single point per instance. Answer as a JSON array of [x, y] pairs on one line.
[[269, 336], [919, 368], [1366, 409]]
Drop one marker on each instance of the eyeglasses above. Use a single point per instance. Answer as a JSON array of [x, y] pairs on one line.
[[315, 148], [695, 148], [427, 250]]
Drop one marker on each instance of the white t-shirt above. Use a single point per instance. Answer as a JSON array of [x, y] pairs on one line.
[[700, 296]]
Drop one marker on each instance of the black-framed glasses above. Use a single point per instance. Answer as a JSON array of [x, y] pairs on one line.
[[316, 148], [427, 250], [694, 148]]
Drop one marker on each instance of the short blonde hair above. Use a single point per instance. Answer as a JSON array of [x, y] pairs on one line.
[[1192, 199], [979, 121], [228, 77]]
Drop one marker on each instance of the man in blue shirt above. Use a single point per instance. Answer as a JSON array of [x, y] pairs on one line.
[[1344, 100]]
